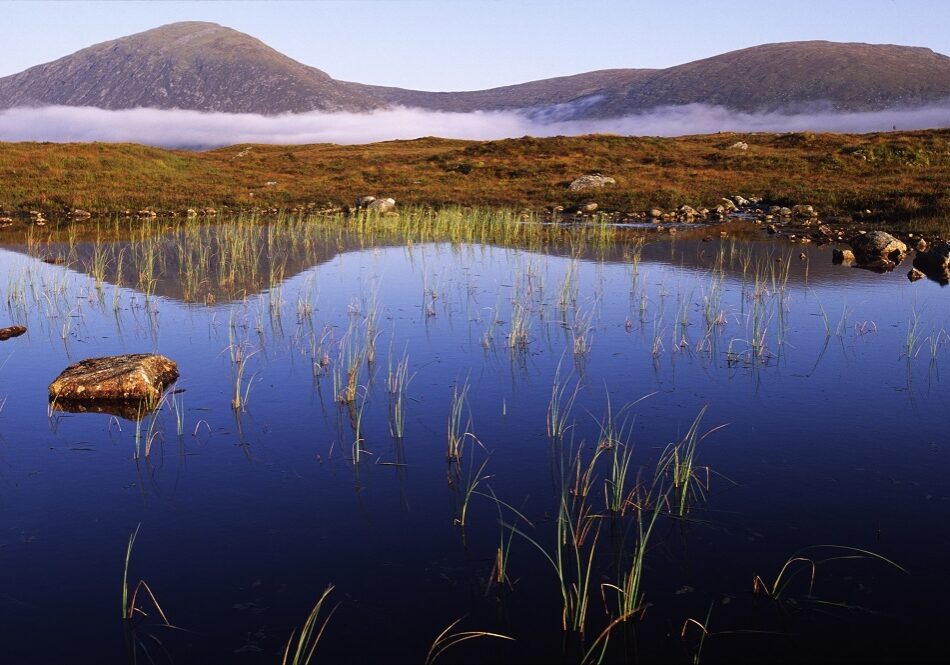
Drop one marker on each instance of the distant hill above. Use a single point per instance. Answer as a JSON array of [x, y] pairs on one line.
[[207, 67], [192, 65], [787, 76]]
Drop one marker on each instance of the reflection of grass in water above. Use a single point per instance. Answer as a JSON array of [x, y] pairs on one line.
[[249, 253]]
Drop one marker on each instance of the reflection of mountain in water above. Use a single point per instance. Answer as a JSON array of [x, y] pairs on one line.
[[227, 262], [195, 264]]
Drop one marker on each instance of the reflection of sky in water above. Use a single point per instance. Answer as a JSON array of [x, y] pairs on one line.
[[830, 439]]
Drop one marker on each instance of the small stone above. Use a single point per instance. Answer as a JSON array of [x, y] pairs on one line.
[[842, 256], [11, 331], [914, 275]]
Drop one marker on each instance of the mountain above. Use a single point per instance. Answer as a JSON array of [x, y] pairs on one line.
[[207, 67], [191, 65], [771, 77]]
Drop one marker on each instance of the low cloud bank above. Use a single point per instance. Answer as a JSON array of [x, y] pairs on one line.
[[195, 129]]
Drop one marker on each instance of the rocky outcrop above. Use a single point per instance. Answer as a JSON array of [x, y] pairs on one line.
[[594, 181], [140, 376]]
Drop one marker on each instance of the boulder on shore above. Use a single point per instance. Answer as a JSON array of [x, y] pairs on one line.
[[382, 205], [594, 181], [878, 249], [137, 376], [935, 262]]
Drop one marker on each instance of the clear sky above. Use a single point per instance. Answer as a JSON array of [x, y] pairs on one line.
[[472, 44]]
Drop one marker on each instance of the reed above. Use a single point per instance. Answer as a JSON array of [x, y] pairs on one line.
[[912, 339], [799, 563], [520, 326], [678, 462], [473, 479], [242, 388], [301, 647], [447, 639], [458, 430], [499, 574], [560, 406], [397, 384], [130, 606]]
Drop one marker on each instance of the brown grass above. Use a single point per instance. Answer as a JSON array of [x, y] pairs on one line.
[[899, 175]]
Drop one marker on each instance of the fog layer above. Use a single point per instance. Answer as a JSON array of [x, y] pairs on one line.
[[194, 129]]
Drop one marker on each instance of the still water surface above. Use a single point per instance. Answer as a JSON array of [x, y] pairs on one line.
[[822, 430]]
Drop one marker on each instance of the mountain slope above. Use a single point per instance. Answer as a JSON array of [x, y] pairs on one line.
[[207, 67], [790, 75], [191, 65]]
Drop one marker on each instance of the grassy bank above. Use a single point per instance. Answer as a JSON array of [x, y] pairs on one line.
[[896, 175]]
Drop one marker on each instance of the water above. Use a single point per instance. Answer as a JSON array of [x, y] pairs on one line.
[[822, 430]]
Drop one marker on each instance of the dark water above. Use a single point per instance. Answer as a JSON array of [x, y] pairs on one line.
[[832, 435]]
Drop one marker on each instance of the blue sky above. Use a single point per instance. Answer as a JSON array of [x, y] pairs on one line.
[[471, 44]]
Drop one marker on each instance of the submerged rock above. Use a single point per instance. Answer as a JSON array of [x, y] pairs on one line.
[[878, 249], [138, 376], [594, 181], [11, 331], [130, 409]]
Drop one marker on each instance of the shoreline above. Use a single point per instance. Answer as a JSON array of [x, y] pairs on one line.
[[892, 178]]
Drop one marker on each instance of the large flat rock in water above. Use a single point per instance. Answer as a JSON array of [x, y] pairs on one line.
[[138, 376]]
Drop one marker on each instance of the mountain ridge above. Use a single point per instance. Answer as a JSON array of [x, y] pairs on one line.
[[208, 67]]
